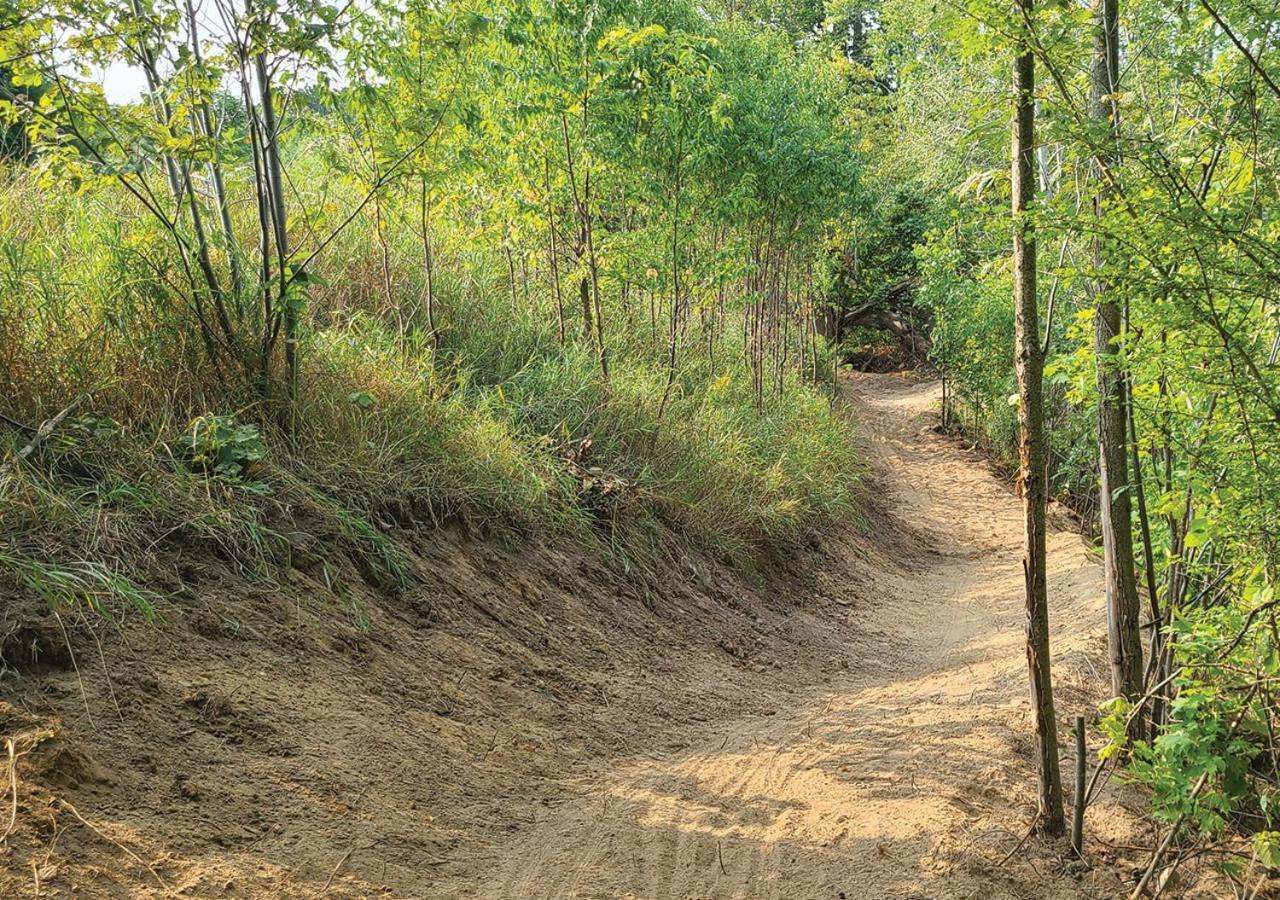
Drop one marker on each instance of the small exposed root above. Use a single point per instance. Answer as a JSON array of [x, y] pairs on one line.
[[328, 881], [84, 697], [13, 786], [65, 804]]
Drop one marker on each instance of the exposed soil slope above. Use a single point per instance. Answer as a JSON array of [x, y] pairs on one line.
[[907, 777], [533, 723]]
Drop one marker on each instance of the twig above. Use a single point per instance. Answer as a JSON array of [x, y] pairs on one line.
[[79, 680], [1243, 631], [13, 783], [1093, 780], [1030, 831], [1244, 51], [720, 857], [106, 673], [66, 804], [328, 881], [53, 841], [41, 433], [492, 743], [1257, 887], [21, 426]]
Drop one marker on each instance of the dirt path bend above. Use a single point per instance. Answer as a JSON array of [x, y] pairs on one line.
[[907, 777]]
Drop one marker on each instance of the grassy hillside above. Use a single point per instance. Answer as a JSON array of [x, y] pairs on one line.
[[501, 427]]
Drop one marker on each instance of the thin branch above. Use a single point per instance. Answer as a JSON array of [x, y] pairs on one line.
[[41, 434], [1253, 62]]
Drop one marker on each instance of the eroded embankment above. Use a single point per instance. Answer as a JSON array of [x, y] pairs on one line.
[[268, 741], [530, 722]]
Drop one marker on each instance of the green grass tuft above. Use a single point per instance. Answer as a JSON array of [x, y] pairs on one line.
[[81, 582]]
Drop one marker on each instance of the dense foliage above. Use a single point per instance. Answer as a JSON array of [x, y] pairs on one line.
[[1189, 252], [531, 264]]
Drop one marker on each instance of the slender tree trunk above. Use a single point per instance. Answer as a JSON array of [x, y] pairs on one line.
[[673, 322], [428, 264], [1149, 567], [584, 297], [524, 281], [589, 288], [270, 318], [653, 316], [811, 334], [384, 257], [1116, 507], [215, 168], [180, 187], [946, 405], [594, 268], [511, 274], [275, 185], [1031, 452], [784, 338], [552, 255], [163, 113]]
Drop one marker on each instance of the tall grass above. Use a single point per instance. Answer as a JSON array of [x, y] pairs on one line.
[[499, 425]]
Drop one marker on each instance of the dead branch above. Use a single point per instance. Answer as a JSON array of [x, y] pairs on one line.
[[38, 438]]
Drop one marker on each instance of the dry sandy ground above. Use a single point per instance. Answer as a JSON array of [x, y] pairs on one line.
[[533, 723], [907, 779]]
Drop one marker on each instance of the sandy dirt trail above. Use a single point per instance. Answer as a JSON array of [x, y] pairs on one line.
[[905, 777]]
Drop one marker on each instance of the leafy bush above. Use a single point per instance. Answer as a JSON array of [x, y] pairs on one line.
[[1208, 769], [220, 446]]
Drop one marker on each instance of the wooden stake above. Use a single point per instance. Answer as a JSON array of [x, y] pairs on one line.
[[1077, 815]]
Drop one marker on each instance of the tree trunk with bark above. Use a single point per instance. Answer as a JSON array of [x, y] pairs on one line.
[[1116, 508], [1032, 476]]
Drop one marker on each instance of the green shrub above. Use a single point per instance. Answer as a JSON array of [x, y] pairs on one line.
[[218, 445]]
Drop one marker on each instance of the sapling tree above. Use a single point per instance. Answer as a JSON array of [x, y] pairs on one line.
[[1032, 470]]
